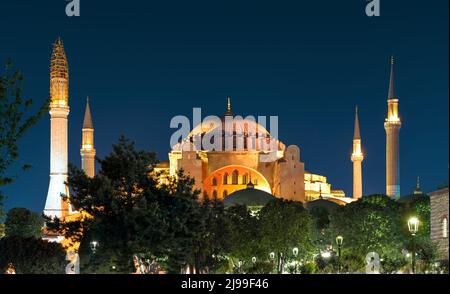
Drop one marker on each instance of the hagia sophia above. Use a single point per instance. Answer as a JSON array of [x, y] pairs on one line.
[[220, 173]]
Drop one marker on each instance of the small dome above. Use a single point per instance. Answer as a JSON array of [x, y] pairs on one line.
[[250, 197]]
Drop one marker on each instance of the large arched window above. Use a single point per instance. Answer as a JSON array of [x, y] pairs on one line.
[[214, 194], [235, 177], [225, 179], [445, 227], [214, 182]]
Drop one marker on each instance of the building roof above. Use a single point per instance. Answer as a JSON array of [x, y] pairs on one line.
[[249, 197]]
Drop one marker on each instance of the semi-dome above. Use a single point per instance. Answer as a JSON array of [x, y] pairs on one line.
[[250, 197]]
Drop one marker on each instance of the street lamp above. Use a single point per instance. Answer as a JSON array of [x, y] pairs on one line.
[[295, 252], [94, 245], [413, 227], [272, 258], [254, 260], [339, 241]]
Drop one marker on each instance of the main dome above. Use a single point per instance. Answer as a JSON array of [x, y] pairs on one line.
[[247, 130]]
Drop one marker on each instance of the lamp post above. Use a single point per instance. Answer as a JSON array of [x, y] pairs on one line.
[[94, 246], [272, 257], [413, 227], [295, 252], [339, 241]]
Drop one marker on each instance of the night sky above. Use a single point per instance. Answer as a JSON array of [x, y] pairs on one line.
[[309, 62]]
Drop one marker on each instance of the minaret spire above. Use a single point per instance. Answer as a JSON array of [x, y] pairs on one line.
[[87, 123], [357, 158], [356, 133], [418, 190], [391, 94], [229, 113], [87, 150], [55, 206]]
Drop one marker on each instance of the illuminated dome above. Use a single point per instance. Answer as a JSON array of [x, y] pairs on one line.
[[245, 129]]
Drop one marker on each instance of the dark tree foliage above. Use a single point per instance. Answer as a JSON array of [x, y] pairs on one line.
[[32, 256], [373, 223], [131, 213], [16, 117], [244, 236], [24, 223], [284, 225]]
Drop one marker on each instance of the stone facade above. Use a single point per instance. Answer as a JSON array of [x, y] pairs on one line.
[[439, 220]]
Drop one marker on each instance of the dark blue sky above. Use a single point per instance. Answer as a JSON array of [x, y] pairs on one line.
[[309, 62]]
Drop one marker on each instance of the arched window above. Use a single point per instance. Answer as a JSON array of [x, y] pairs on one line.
[[214, 194], [444, 227], [225, 179], [235, 177], [245, 179], [214, 182], [225, 193]]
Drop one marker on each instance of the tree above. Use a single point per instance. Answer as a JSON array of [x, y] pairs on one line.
[[121, 203], [23, 223], [284, 225], [131, 213], [32, 256], [243, 239], [16, 117], [373, 223]]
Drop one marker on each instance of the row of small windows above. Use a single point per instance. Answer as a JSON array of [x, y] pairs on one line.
[[234, 179]]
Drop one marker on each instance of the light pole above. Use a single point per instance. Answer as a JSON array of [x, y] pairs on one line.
[[94, 246], [339, 241], [295, 252], [272, 257], [413, 227]]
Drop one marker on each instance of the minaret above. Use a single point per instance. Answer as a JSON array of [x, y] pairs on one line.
[[418, 190], [357, 158], [228, 113], [59, 111], [392, 126], [87, 150]]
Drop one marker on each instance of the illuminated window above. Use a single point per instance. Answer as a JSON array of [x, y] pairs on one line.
[[234, 177], [245, 179], [444, 227], [225, 179], [214, 182]]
